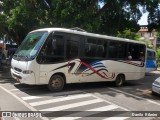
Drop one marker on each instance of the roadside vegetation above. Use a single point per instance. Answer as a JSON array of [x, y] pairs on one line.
[[19, 17], [109, 17]]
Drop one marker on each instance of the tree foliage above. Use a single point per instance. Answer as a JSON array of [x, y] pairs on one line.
[[158, 56], [158, 36], [18, 17], [129, 34]]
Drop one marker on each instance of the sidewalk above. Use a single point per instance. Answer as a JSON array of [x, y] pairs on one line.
[[5, 72]]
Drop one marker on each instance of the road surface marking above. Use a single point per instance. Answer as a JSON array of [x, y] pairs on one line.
[[61, 99], [66, 118], [17, 83], [23, 102], [104, 108], [116, 118], [85, 113], [30, 97], [64, 93], [151, 101], [51, 94], [73, 105], [108, 101]]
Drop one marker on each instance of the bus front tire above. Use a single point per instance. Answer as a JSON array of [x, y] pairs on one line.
[[56, 83], [120, 79]]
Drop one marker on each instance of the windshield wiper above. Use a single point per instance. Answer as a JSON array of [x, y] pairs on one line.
[[27, 57]]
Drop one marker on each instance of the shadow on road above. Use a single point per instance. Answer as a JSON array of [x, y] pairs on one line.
[[137, 89], [5, 76]]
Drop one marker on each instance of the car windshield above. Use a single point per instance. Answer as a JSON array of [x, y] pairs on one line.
[[31, 45]]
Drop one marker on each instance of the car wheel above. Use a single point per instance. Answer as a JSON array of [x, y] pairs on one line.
[[56, 83], [120, 79]]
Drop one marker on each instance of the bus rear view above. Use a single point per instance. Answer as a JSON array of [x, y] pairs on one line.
[[151, 63]]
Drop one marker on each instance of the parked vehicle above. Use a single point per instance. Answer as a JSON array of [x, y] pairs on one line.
[[156, 86], [7, 51]]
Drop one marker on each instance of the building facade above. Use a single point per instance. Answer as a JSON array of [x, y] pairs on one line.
[[149, 36]]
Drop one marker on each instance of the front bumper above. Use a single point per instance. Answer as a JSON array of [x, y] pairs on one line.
[[23, 78], [156, 88]]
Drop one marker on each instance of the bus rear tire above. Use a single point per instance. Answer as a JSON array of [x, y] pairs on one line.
[[56, 83], [120, 79]]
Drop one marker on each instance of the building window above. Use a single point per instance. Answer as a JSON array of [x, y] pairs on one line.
[[142, 34], [151, 35]]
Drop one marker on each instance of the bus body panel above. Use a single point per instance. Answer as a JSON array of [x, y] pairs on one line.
[[80, 68], [47, 70], [19, 67], [34, 66], [99, 71], [77, 70], [24, 78], [17, 72], [151, 63], [133, 70]]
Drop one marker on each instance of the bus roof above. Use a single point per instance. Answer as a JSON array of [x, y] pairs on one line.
[[88, 34]]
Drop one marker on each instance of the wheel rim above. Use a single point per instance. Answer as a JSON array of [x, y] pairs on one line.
[[119, 80], [56, 84]]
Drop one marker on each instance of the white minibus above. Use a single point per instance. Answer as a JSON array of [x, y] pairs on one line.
[[58, 56]]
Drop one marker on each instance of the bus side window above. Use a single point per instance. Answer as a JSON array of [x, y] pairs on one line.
[[72, 50], [154, 56], [101, 46], [47, 46], [87, 49], [137, 51], [95, 48], [117, 50], [141, 56], [53, 49], [100, 51]]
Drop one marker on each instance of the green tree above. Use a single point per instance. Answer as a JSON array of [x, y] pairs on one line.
[[158, 56], [127, 33], [21, 16], [158, 36]]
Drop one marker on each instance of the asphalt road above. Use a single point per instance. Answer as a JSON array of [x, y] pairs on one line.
[[95, 100]]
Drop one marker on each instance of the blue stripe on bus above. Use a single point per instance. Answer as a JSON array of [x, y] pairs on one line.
[[150, 64]]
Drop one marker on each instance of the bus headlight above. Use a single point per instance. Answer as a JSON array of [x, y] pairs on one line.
[[27, 71]]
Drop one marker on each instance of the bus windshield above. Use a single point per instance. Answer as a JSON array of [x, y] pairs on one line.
[[31, 45]]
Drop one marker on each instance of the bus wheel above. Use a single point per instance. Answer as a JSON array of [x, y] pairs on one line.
[[56, 83], [120, 79]]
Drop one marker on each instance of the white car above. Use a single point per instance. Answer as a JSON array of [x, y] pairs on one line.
[[156, 86]]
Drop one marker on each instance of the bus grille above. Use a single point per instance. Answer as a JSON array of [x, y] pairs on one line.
[[17, 69]]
